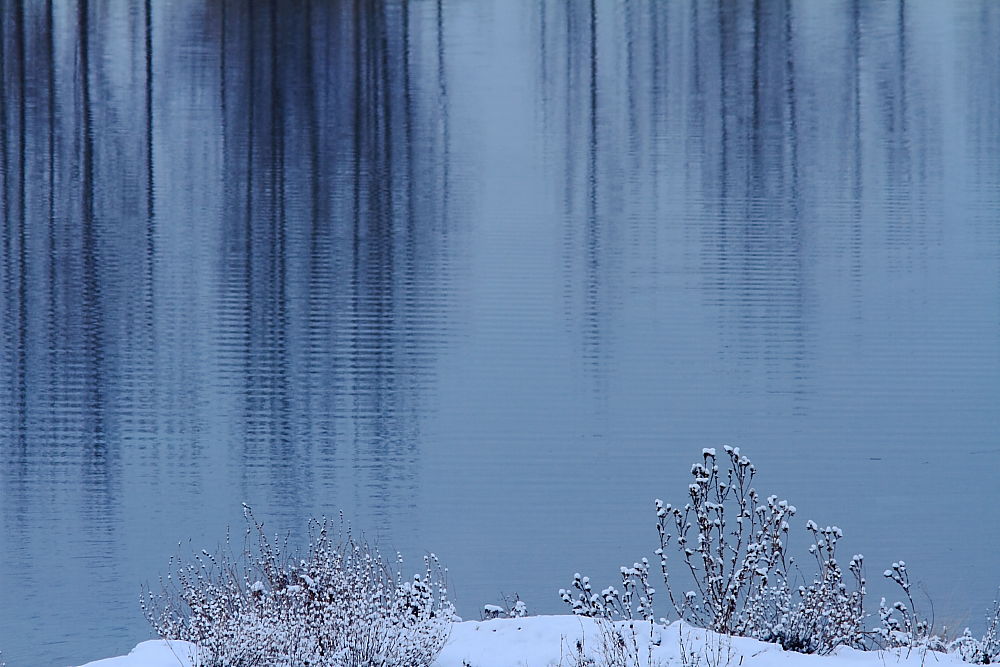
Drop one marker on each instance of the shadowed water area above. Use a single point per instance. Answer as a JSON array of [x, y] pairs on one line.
[[487, 276]]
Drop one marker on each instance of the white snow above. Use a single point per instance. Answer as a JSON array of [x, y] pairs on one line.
[[550, 641], [155, 653]]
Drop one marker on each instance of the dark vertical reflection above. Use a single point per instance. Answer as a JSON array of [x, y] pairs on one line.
[[757, 236], [22, 275], [572, 94], [65, 264], [150, 191], [732, 114], [13, 169], [709, 120], [92, 323], [144, 346], [593, 267], [856, 164], [223, 248], [320, 120], [747, 143], [442, 110]]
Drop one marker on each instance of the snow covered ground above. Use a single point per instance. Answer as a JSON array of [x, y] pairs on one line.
[[545, 641]]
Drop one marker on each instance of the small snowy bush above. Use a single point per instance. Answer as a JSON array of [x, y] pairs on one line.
[[900, 625], [986, 650], [733, 549], [339, 605], [511, 608]]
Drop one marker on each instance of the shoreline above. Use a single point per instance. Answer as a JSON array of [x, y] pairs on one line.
[[543, 641]]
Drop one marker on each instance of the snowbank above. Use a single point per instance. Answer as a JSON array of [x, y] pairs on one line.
[[543, 641]]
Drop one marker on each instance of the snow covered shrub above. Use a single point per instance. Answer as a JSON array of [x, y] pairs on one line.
[[634, 602], [984, 651], [900, 626], [515, 608], [732, 544], [339, 605], [613, 603], [733, 548], [827, 613]]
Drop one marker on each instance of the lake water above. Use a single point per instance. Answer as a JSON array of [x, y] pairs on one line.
[[487, 276]]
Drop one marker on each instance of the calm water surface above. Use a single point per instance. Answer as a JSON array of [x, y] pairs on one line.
[[487, 277]]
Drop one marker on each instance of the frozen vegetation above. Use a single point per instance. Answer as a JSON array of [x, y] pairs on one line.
[[341, 604], [733, 593]]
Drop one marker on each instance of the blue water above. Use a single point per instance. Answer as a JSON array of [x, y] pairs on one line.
[[487, 277]]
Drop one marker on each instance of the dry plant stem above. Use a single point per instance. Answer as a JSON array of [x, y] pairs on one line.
[[688, 658]]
